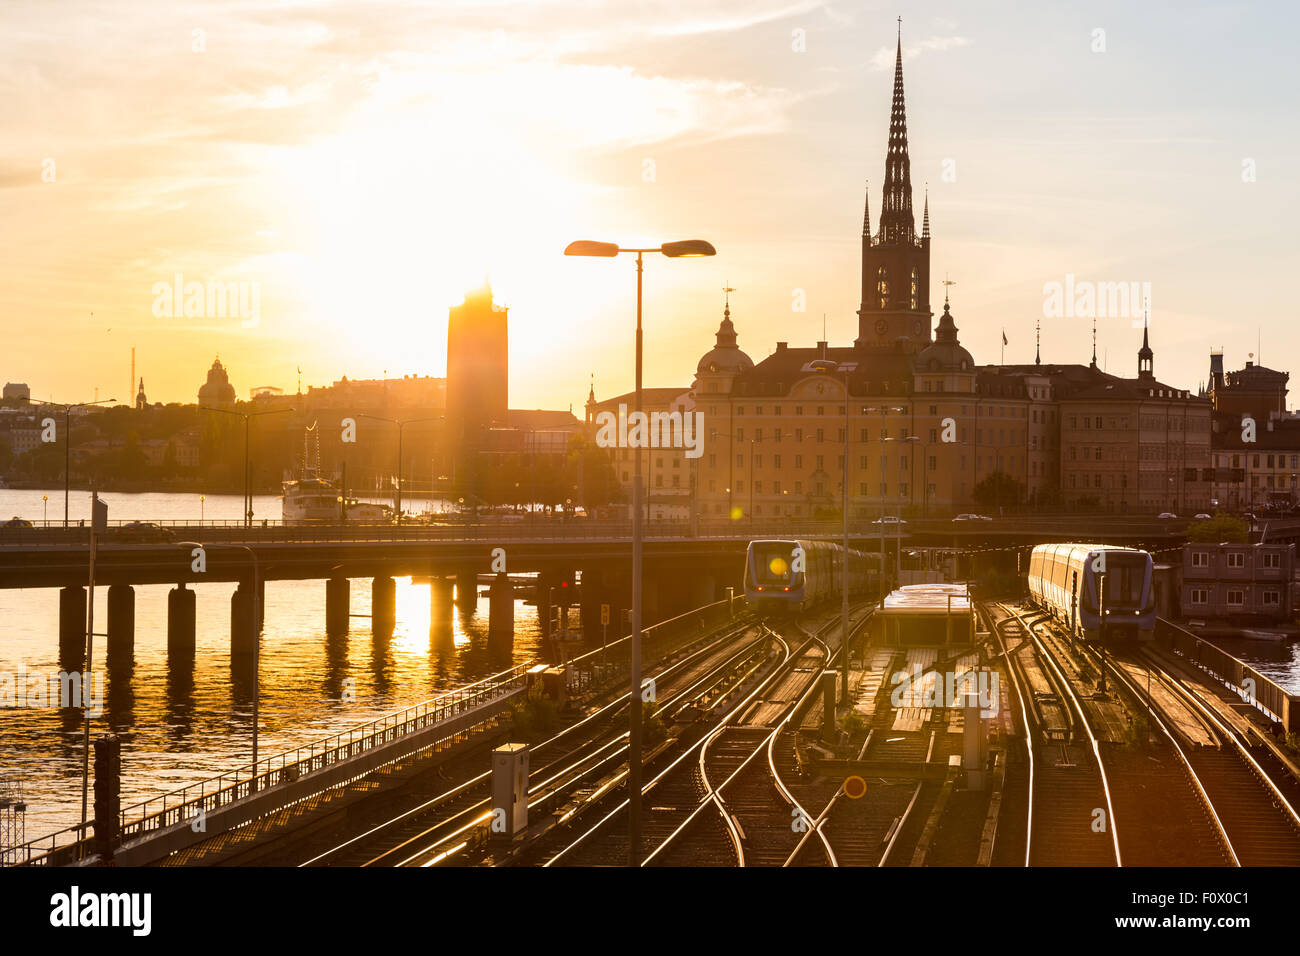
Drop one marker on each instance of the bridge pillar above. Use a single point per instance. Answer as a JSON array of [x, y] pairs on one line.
[[243, 630], [121, 622], [383, 606], [501, 615], [72, 627], [467, 589], [440, 606], [338, 597], [593, 593], [180, 621]]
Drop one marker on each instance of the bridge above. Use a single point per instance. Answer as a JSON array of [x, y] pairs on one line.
[[686, 564]]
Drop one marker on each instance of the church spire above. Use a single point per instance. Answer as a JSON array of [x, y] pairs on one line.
[[866, 213], [1146, 358], [897, 224], [925, 222]]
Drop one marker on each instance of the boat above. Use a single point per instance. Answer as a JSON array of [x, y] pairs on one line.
[[310, 499]]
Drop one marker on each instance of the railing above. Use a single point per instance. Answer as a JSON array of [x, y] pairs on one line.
[[1276, 703], [579, 529], [185, 804], [602, 666]]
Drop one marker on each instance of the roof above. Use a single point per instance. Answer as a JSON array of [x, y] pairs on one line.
[[541, 418], [928, 599], [777, 373], [650, 398]]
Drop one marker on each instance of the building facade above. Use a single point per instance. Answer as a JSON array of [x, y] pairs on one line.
[[1242, 582]]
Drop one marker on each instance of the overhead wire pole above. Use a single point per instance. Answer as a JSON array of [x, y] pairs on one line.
[[688, 248], [248, 493]]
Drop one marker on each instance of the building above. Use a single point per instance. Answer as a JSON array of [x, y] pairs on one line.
[[1256, 441], [1238, 582], [668, 474], [217, 392], [478, 362], [424, 393], [17, 392], [917, 425]]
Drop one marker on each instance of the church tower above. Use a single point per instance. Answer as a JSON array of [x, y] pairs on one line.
[[895, 310]]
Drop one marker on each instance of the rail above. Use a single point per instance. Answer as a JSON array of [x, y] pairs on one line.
[[1275, 702], [179, 806]]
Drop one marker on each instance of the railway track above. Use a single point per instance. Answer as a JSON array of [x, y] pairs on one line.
[[1187, 788], [727, 799], [1070, 819], [449, 822]]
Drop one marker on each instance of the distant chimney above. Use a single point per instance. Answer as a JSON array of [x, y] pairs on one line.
[[781, 346]]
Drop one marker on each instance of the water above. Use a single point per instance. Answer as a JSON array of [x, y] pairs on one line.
[[181, 727]]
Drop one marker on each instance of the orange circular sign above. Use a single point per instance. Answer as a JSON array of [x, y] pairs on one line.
[[855, 787]]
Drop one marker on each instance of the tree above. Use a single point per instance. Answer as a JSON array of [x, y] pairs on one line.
[[999, 490], [1219, 528]]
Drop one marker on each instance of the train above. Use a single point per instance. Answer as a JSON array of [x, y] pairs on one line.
[[1063, 581], [777, 584]]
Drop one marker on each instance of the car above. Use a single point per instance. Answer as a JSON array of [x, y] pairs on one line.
[[889, 519], [145, 531], [1202, 516], [16, 522], [1166, 514]]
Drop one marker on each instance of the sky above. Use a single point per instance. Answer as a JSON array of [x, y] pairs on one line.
[[352, 168]]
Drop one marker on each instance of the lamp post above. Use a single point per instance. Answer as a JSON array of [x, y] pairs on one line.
[[400, 425], [248, 493], [257, 634], [45, 510], [67, 444], [673, 250]]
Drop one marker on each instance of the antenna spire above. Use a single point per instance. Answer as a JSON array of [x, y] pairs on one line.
[[1038, 328], [1094, 341]]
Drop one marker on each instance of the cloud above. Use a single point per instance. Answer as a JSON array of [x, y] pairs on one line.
[[884, 57]]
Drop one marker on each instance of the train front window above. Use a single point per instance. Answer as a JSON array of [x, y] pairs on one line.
[[1125, 574], [772, 565]]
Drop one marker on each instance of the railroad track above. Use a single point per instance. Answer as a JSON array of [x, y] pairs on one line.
[[1068, 794], [1188, 789], [448, 822], [1252, 795], [726, 800]]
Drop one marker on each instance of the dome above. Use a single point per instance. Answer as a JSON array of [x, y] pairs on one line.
[[946, 353], [726, 356]]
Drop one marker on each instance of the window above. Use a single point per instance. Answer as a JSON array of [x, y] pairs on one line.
[[821, 434], [798, 409], [758, 461], [776, 487], [798, 461], [862, 489], [1199, 596], [916, 287], [1271, 559], [798, 434], [1236, 559], [1200, 559], [1271, 598], [1235, 597], [758, 434], [758, 410], [862, 436], [740, 434], [777, 436], [758, 487], [776, 461], [798, 487], [740, 461], [820, 462], [882, 287]]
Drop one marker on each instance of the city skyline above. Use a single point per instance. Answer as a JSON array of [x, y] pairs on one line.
[[763, 150]]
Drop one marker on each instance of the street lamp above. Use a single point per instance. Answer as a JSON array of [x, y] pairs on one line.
[[400, 425], [673, 250], [67, 444], [248, 475], [202, 499], [257, 634], [45, 510]]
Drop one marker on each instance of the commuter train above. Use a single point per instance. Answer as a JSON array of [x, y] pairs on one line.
[[774, 585], [1063, 581]]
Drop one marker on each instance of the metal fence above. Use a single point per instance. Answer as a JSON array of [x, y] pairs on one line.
[[179, 806], [1250, 684]]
